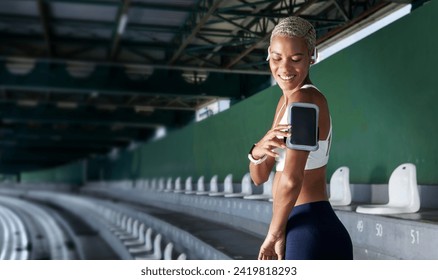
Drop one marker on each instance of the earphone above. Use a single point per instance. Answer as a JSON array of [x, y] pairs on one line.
[[314, 56]]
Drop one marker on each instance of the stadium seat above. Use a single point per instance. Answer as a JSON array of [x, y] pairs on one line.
[[146, 184], [403, 193], [125, 230], [168, 185], [120, 225], [157, 252], [189, 186], [161, 184], [138, 184], [178, 188], [146, 247], [167, 255], [214, 188], [154, 184], [132, 231], [228, 186], [200, 190], [141, 237], [267, 190], [340, 193], [246, 187]]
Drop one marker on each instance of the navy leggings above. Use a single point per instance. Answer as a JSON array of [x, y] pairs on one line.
[[314, 232]]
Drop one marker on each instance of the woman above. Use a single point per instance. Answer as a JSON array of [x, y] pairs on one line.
[[303, 225]]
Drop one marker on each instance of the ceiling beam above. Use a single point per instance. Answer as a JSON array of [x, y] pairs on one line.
[[263, 40], [248, 23], [44, 12], [140, 5], [121, 22], [341, 10], [195, 25], [122, 118]]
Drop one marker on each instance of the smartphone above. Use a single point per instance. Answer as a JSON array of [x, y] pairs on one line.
[[303, 117]]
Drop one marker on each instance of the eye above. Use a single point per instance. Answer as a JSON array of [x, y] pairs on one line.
[[276, 58], [296, 58]]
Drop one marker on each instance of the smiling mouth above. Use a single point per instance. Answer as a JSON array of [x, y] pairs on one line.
[[286, 78]]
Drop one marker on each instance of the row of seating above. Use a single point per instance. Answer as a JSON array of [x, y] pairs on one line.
[[13, 236], [403, 191], [49, 231], [137, 237], [129, 237], [245, 189]]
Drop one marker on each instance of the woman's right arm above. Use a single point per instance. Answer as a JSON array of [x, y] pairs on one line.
[[265, 148], [260, 172]]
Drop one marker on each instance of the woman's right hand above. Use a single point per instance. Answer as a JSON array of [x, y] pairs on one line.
[[274, 138], [272, 248]]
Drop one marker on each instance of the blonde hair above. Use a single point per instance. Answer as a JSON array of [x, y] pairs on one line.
[[296, 27]]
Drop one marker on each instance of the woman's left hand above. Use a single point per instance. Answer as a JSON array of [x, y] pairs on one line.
[[272, 248]]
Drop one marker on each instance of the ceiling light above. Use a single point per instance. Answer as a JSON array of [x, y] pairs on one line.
[[140, 109], [20, 66], [138, 72], [195, 77], [27, 103], [107, 107], [67, 105], [78, 69]]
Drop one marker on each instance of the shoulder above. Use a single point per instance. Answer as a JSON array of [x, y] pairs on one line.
[[309, 95]]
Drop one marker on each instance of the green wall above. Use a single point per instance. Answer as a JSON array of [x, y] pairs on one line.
[[381, 94], [72, 173]]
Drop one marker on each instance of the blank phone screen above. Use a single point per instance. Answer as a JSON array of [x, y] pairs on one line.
[[304, 130]]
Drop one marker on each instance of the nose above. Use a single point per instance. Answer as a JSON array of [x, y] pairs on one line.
[[286, 66]]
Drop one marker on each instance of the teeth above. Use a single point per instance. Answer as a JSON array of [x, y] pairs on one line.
[[286, 77]]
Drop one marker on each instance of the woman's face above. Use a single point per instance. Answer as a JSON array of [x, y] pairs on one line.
[[289, 61]]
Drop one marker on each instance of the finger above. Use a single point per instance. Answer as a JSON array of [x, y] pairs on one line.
[[282, 127], [278, 133], [283, 134], [271, 154], [272, 144], [261, 255]]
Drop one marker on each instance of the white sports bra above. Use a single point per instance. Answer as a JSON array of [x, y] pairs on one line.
[[316, 159]]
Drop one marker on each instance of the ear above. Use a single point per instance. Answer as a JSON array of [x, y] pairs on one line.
[[269, 53]]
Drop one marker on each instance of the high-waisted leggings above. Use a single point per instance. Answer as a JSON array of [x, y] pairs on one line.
[[314, 232]]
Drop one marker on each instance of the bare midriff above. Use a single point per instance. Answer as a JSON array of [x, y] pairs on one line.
[[313, 188]]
